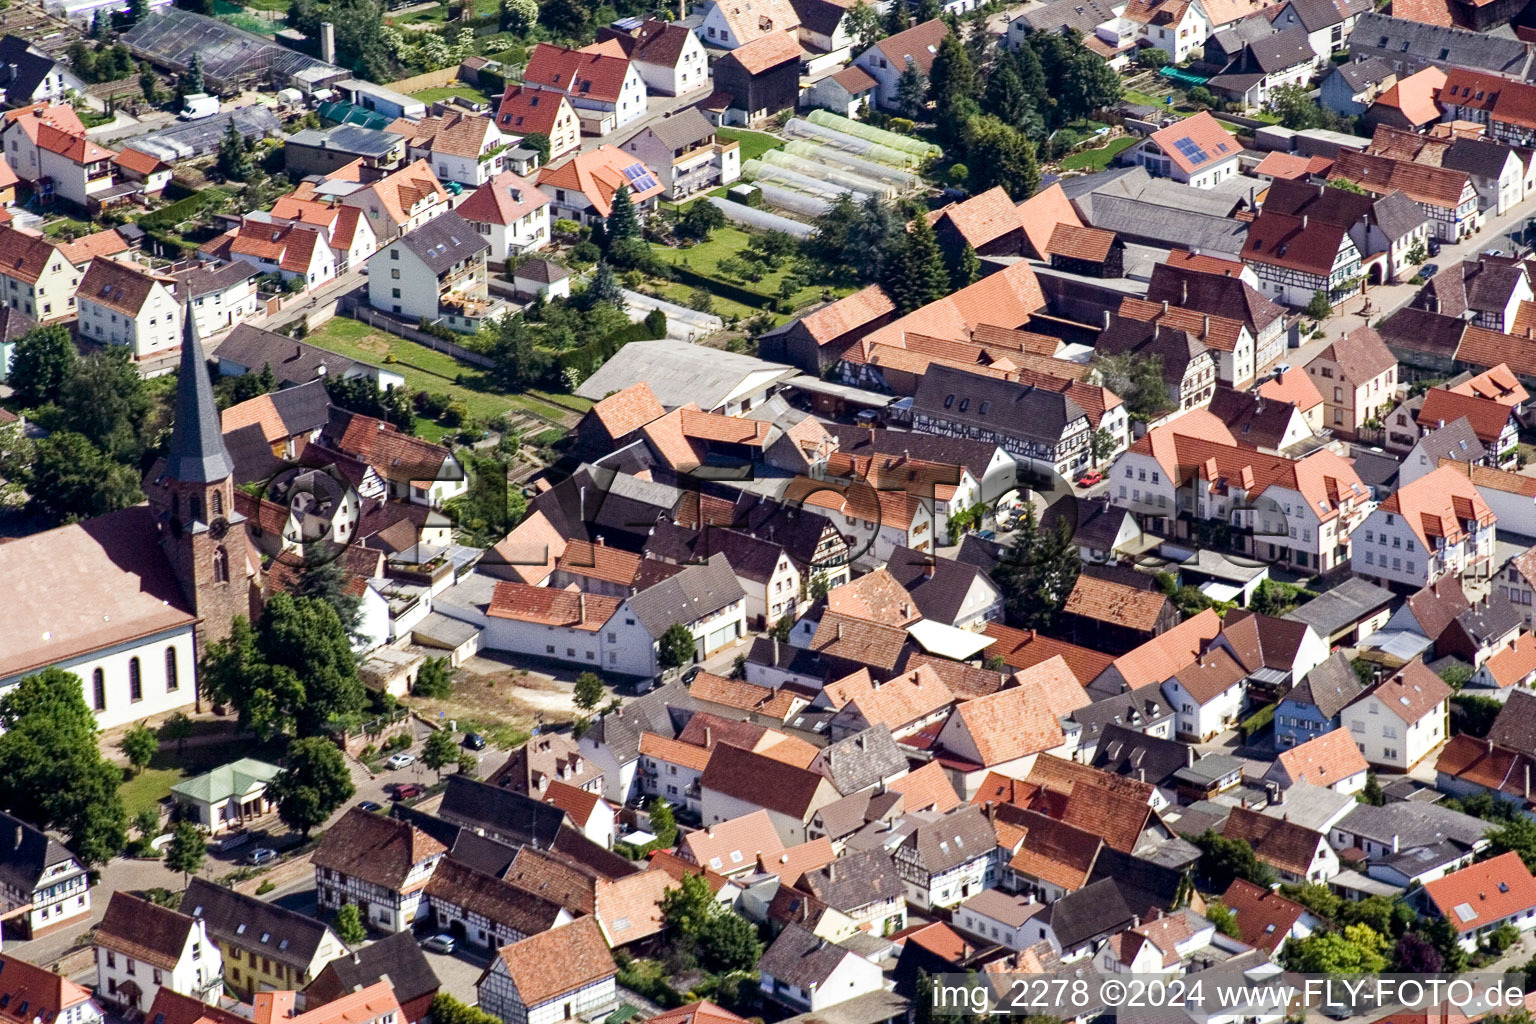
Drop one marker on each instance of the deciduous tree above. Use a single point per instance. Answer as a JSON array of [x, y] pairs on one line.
[[589, 690], [42, 362], [313, 784], [1000, 155], [440, 751], [186, 850], [676, 646], [71, 479], [139, 745], [349, 925]]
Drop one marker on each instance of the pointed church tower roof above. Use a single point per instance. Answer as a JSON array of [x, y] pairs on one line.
[[197, 453]]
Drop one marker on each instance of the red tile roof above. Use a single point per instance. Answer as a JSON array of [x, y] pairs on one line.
[[1202, 133], [552, 607], [1264, 917], [1325, 760], [561, 960], [598, 76], [1483, 894]]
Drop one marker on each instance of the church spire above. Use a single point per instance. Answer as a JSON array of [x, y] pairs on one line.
[[197, 453]]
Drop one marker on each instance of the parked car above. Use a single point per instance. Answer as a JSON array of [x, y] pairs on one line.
[[1091, 478], [474, 741], [407, 790], [370, 806], [691, 674], [233, 841], [400, 761], [987, 535], [1493, 252], [261, 855], [1429, 270], [440, 943], [1434, 247]]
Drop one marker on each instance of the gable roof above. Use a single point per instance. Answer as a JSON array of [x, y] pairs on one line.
[[734, 845], [1195, 142], [375, 849], [234, 919], [1162, 657], [766, 52], [920, 44], [1108, 601], [593, 75], [1009, 724], [1323, 760], [504, 199], [561, 960], [143, 930], [1329, 687], [1482, 894], [395, 958], [763, 781], [1275, 841], [750, 20], [1264, 917]]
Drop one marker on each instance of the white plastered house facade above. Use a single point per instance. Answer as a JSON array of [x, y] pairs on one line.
[[128, 682], [1387, 739], [134, 983], [154, 328]]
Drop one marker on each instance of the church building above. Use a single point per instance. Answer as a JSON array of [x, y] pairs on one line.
[[129, 601]]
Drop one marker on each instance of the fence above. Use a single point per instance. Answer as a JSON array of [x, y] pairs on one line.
[[426, 80], [373, 318]]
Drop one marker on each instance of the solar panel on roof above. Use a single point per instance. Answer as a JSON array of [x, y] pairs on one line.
[[1191, 150]]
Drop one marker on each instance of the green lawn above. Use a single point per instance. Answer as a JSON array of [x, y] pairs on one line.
[[1097, 159], [266, 5], [449, 91], [147, 789], [1147, 99], [753, 144], [729, 241], [427, 370]]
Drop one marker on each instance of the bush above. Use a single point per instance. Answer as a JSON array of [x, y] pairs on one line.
[[1152, 57], [1257, 722], [586, 252], [265, 887], [902, 125]]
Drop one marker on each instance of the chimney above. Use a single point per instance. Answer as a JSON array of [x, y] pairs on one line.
[[839, 630], [1184, 292], [581, 605], [832, 871], [1106, 319], [1165, 305], [1303, 222], [328, 42], [708, 738], [1205, 330], [1527, 780], [1396, 842]]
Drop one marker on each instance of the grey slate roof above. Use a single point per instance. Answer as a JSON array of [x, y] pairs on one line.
[[1317, 14], [1492, 617], [234, 919], [304, 408], [1097, 909], [292, 361], [1128, 752], [1313, 807], [1137, 709], [203, 279], [1004, 406], [1359, 75], [1456, 440], [396, 959], [21, 70], [1413, 823], [801, 958], [861, 761], [444, 241], [479, 804], [650, 712], [1515, 725], [197, 453], [1329, 687], [682, 129], [953, 839], [938, 585], [1397, 215], [855, 881], [1347, 603], [1137, 221], [1411, 43], [27, 852], [1477, 157], [697, 591], [481, 852], [347, 138], [1081, 15], [249, 450]]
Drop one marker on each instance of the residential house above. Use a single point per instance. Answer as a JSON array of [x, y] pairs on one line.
[[47, 993], [560, 974], [605, 90], [1347, 613], [1296, 853], [1279, 59], [348, 233], [1223, 288], [400, 202], [803, 972], [669, 57], [1000, 918], [1497, 170], [756, 80], [249, 349], [525, 111], [36, 277], [1487, 291], [71, 167], [1207, 696], [121, 304], [1005, 731], [1456, 443], [865, 885], [1311, 708], [877, 522], [1042, 427], [886, 60], [733, 846], [1434, 527], [1229, 340], [684, 152], [264, 946], [413, 469], [1392, 225], [1409, 45], [845, 92], [221, 295], [1512, 665], [436, 272], [586, 810], [1447, 196], [1274, 652], [486, 911], [1402, 717], [764, 569], [582, 188], [1302, 511], [1517, 581], [1331, 760], [378, 864], [1493, 419], [1357, 377], [738, 781], [297, 252], [1506, 106], [321, 151], [728, 24], [1116, 616], [947, 591], [947, 861], [151, 172], [1509, 495], [1196, 151], [824, 26], [1078, 924], [397, 958], [457, 145], [1265, 919], [231, 795], [1328, 24], [1296, 258], [1404, 840], [545, 759], [1483, 897], [30, 76], [510, 818], [38, 873], [1188, 364], [1350, 88], [142, 947]]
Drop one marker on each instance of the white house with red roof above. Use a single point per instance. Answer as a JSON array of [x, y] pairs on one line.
[[509, 212], [401, 202], [19, 136], [543, 111], [886, 60], [1197, 151], [1397, 722], [1482, 897], [728, 24], [603, 86], [458, 146], [1177, 27], [122, 304], [347, 231], [51, 996], [294, 251], [1438, 525], [150, 171], [582, 188], [669, 57], [72, 167]]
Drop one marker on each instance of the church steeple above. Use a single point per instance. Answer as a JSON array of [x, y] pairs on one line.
[[197, 454]]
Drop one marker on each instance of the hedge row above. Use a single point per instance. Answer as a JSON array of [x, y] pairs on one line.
[[1258, 721], [725, 290], [593, 354], [183, 209]]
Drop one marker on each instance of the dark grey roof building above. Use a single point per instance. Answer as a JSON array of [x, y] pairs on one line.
[[861, 761], [1088, 915], [247, 349], [696, 592], [1337, 612], [445, 241], [1139, 709], [1411, 45], [395, 958], [1329, 687], [939, 586], [1133, 754], [500, 813], [29, 855], [853, 882], [1029, 422], [262, 929]]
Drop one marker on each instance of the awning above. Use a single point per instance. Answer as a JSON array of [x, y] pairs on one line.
[[1181, 76]]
